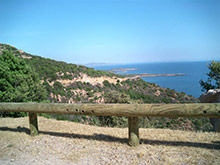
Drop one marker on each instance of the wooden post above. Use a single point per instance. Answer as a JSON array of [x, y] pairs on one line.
[[133, 131], [33, 124]]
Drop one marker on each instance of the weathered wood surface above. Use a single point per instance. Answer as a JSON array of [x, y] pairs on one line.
[[33, 124], [133, 131], [129, 110]]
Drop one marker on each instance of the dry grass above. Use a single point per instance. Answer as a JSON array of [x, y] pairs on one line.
[[63, 142]]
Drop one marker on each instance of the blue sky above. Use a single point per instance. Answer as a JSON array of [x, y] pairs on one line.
[[113, 31]]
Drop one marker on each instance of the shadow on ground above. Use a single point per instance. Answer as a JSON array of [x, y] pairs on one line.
[[102, 137]]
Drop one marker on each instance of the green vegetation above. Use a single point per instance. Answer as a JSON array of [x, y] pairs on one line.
[[20, 82], [106, 83], [53, 70], [213, 81]]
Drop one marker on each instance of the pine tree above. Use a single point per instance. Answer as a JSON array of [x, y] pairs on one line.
[[18, 82], [213, 80]]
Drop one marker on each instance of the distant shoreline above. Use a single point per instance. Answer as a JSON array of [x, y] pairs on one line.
[[120, 70], [133, 76], [101, 64]]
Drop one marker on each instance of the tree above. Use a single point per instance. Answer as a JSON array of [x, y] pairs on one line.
[[18, 82], [213, 80]]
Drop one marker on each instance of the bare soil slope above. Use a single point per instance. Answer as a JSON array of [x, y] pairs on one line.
[[63, 142]]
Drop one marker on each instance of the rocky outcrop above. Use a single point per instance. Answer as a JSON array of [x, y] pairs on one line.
[[212, 96]]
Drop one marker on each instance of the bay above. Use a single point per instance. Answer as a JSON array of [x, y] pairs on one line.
[[189, 83]]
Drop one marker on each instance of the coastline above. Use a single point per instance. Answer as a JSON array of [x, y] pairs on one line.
[[188, 83], [133, 76], [120, 70]]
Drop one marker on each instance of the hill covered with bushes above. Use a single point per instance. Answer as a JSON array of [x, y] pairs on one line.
[[71, 83]]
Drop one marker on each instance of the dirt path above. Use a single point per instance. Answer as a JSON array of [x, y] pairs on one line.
[[63, 142]]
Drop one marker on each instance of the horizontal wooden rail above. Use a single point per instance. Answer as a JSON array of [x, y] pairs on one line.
[[210, 110], [132, 111]]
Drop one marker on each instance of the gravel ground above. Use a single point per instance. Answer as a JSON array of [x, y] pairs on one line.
[[64, 142]]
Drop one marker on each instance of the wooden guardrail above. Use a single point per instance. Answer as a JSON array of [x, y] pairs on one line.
[[132, 111]]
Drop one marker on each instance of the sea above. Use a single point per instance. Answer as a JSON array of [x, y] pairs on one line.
[[188, 83]]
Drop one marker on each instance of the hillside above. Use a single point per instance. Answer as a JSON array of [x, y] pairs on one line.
[[71, 83], [64, 142]]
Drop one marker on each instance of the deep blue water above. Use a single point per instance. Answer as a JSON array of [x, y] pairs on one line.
[[189, 83]]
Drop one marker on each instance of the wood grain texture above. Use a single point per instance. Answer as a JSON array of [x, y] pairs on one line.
[[133, 131], [33, 124], [211, 110]]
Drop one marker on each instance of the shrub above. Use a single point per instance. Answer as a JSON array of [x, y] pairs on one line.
[[106, 83]]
